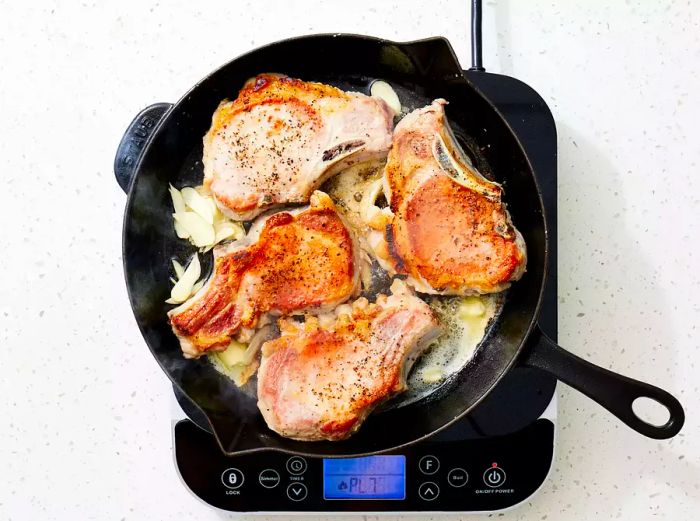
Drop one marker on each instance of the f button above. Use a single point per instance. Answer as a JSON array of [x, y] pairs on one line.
[[429, 465]]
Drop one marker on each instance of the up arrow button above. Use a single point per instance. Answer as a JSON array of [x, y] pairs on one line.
[[428, 491]]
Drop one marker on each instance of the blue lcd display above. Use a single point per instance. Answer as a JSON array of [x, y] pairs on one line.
[[373, 477]]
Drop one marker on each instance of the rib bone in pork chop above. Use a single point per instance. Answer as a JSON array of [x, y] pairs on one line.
[[304, 259], [320, 381], [282, 138]]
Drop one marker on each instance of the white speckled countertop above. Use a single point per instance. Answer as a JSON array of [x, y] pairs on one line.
[[86, 426]]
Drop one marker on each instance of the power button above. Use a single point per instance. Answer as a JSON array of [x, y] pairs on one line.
[[494, 476]]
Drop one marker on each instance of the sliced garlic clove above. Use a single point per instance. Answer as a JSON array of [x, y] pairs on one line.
[[233, 355], [376, 218], [180, 230], [179, 270], [183, 288], [382, 90], [197, 287], [178, 201], [215, 212], [200, 231], [198, 204], [240, 374], [226, 230]]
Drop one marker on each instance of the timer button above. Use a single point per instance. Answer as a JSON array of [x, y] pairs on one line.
[[429, 465], [269, 478], [297, 491], [232, 478], [457, 477], [494, 476], [296, 465], [428, 491]]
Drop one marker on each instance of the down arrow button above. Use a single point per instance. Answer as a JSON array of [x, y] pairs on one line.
[[297, 491]]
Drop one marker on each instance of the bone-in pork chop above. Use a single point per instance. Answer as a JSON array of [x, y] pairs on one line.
[[320, 379], [446, 227], [304, 259], [282, 138]]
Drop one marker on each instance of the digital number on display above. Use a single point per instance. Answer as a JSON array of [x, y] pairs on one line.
[[373, 477]]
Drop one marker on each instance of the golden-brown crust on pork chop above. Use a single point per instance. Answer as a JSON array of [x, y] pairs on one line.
[[299, 261], [449, 231], [318, 382], [460, 248]]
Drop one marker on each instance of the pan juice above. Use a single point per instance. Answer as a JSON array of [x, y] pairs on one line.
[[465, 322]]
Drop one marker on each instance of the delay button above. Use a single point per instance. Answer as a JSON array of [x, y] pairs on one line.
[[296, 465], [457, 477], [269, 478]]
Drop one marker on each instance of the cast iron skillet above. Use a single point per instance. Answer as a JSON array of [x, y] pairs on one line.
[[164, 145]]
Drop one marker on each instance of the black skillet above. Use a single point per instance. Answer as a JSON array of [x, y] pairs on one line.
[[164, 145]]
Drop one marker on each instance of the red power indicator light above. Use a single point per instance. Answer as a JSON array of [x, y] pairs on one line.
[[494, 465]]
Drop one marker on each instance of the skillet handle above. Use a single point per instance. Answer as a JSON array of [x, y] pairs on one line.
[[134, 141], [611, 390]]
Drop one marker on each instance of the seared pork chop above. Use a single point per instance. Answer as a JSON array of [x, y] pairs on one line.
[[282, 138], [304, 259], [320, 379], [446, 226]]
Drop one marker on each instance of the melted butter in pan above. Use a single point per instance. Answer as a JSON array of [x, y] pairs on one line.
[[465, 321]]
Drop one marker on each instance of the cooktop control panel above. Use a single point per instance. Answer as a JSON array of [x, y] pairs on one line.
[[477, 475]]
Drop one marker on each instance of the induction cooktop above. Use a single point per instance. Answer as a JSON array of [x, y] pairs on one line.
[[492, 459]]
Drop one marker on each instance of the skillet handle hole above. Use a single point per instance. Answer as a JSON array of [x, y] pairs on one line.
[[650, 411]]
